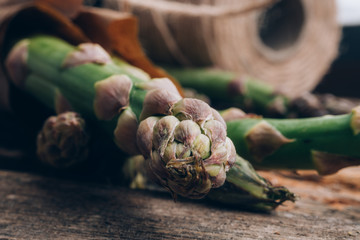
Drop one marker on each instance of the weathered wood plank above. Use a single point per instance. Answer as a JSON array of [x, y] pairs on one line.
[[38, 207]]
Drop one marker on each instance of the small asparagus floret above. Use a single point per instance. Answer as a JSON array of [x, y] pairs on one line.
[[243, 187], [184, 140], [227, 88], [326, 143], [63, 141]]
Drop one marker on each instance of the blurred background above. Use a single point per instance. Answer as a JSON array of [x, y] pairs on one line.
[[295, 45], [344, 74]]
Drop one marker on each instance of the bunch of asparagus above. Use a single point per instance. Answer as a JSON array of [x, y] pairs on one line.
[[184, 141]]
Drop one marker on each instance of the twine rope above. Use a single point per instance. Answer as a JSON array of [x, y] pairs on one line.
[[197, 10], [200, 11], [227, 34]]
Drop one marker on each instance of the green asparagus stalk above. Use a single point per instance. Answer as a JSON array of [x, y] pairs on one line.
[[184, 140], [243, 187], [227, 88], [230, 89], [325, 144], [61, 144]]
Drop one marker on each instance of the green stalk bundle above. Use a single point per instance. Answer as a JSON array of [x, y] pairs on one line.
[[184, 140]]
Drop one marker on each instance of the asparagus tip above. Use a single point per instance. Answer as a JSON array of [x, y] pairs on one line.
[[189, 153], [63, 142]]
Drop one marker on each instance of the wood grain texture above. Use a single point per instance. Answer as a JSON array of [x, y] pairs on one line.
[[38, 207]]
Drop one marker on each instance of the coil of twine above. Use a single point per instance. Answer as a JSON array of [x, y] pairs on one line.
[[289, 43]]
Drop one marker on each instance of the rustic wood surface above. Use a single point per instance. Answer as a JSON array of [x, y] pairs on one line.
[[34, 206], [40, 203]]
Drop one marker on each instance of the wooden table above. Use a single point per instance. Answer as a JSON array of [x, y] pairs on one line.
[[39, 204], [34, 206]]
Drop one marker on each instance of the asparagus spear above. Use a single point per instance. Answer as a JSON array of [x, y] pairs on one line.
[[227, 88], [311, 154], [243, 187], [326, 143], [183, 140], [230, 89]]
